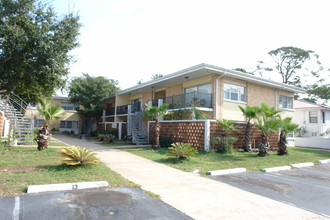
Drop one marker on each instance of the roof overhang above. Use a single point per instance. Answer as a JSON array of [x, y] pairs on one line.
[[200, 71]]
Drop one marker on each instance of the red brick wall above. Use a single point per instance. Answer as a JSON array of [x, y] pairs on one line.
[[193, 133]]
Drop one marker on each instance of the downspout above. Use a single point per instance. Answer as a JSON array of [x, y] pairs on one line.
[[217, 94]]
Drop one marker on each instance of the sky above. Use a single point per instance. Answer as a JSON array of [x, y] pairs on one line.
[[129, 40]]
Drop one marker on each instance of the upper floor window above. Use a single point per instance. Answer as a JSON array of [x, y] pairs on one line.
[[69, 106], [234, 92], [286, 102], [313, 117], [200, 95]]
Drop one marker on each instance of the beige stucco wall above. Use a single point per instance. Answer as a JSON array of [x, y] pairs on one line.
[[257, 94], [146, 97], [232, 112], [122, 100], [197, 82], [174, 90]]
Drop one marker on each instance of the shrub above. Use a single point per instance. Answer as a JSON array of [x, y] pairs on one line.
[[106, 137], [112, 131], [78, 156], [165, 141], [181, 150], [225, 144]]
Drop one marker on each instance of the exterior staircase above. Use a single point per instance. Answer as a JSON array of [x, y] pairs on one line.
[[20, 117], [136, 129]]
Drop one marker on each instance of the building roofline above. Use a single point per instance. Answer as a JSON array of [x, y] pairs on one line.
[[219, 71], [318, 106]]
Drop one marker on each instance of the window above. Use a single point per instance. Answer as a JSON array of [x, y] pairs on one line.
[[39, 123], [323, 117], [200, 95], [234, 93], [313, 117], [286, 102], [69, 124], [69, 106]]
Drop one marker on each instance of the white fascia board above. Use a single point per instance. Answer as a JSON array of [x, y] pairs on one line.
[[219, 71]]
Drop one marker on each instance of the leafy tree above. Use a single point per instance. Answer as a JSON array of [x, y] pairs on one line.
[[249, 112], [286, 126], [156, 76], [156, 113], [288, 60], [89, 93], [34, 48], [316, 91]]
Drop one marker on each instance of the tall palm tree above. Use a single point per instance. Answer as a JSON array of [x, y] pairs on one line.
[[267, 122], [50, 113], [156, 113], [286, 126], [250, 112]]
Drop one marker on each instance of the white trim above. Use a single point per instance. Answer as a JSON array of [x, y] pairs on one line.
[[207, 133], [229, 100], [188, 108]]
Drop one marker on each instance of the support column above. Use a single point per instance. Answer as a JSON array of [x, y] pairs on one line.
[[207, 132]]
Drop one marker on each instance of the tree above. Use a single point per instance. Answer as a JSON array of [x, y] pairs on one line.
[[156, 113], [316, 91], [267, 122], [50, 113], [156, 76], [249, 112], [89, 93], [288, 60], [34, 48], [286, 126]]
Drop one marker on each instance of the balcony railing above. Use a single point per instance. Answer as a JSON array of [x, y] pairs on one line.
[[122, 110], [188, 100], [110, 111]]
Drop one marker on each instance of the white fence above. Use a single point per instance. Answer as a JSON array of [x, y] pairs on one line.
[[314, 142]]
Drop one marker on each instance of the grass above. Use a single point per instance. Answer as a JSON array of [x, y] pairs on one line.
[[215, 161], [115, 144], [24, 166]]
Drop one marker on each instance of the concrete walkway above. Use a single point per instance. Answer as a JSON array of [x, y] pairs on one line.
[[198, 197]]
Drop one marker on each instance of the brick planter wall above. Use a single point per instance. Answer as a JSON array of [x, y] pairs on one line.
[[192, 132]]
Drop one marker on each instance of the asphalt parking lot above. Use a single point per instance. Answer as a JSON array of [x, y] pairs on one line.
[[307, 188], [107, 203]]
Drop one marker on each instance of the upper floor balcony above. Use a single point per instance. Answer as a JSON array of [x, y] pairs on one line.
[[187, 100]]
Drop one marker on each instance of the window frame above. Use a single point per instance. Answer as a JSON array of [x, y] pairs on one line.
[[241, 90], [289, 105]]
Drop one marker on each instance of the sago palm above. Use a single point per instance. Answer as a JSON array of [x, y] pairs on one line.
[[156, 113], [286, 126], [78, 156], [249, 112]]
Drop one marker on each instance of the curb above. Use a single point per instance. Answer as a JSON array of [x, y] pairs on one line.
[[227, 171], [275, 169], [66, 186], [324, 161], [299, 165]]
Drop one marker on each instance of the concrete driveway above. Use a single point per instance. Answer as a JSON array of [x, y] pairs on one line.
[[114, 203], [307, 188]]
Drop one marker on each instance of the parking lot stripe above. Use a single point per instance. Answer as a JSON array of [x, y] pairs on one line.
[[297, 181], [16, 208]]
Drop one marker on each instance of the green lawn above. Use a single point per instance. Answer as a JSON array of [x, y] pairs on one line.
[[215, 161], [24, 166], [115, 144]]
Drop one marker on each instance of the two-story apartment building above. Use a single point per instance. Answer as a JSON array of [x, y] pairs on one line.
[[215, 91], [71, 121]]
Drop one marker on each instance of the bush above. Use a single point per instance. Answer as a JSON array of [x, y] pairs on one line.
[[181, 150], [165, 141], [112, 131], [77, 156], [225, 144], [106, 137]]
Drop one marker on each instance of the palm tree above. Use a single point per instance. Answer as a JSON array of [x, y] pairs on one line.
[[226, 143], [156, 113], [250, 112], [267, 122], [50, 113], [286, 126]]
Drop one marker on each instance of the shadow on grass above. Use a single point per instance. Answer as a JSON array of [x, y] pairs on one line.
[[62, 167]]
